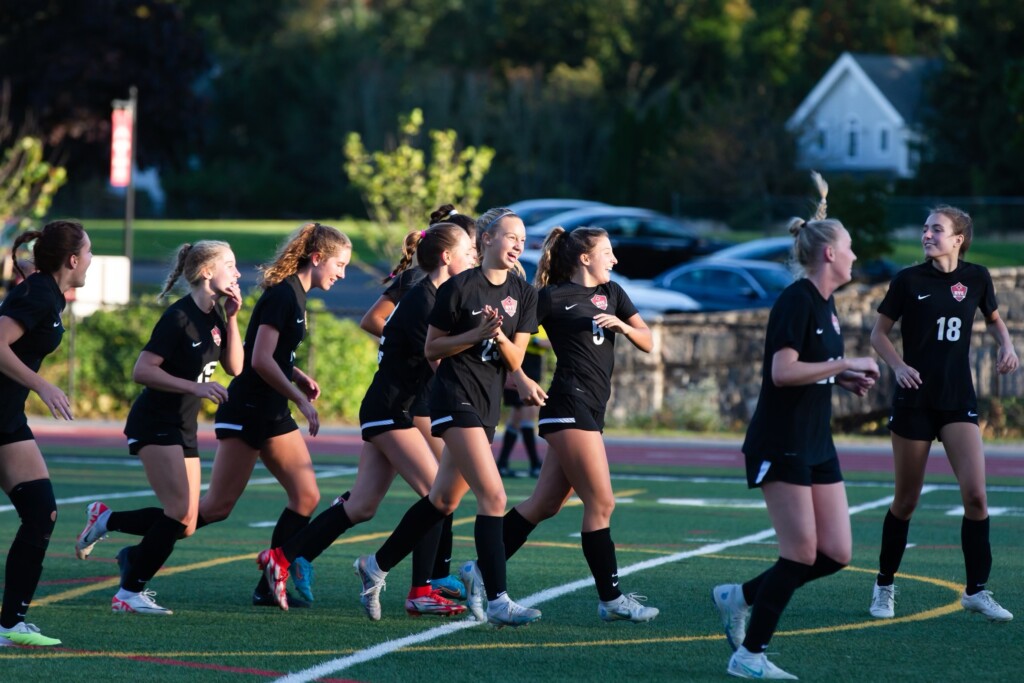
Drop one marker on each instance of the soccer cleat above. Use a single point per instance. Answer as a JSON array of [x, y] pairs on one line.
[[733, 610], [745, 664], [267, 599], [27, 634], [626, 608], [95, 529], [372, 586], [450, 587], [510, 613], [431, 603], [138, 603], [883, 602], [983, 603], [469, 573], [302, 577], [275, 567]]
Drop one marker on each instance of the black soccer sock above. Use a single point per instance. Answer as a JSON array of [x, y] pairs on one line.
[[417, 521], [151, 553], [318, 535], [507, 444], [894, 544], [37, 508], [823, 566], [288, 524], [530, 442], [515, 530], [490, 554], [777, 587], [443, 556], [134, 522], [977, 553], [599, 549], [751, 587], [424, 553]]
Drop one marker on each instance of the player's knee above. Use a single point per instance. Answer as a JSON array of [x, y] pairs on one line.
[[360, 511], [37, 508], [306, 501], [975, 504], [903, 506]]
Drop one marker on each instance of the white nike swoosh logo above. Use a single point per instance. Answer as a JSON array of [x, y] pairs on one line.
[[573, 306], [195, 344], [57, 324], [818, 331], [300, 321], [923, 296], [970, 414], [478, 312]]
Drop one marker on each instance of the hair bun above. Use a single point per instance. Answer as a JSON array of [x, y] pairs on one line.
[[796, 225]]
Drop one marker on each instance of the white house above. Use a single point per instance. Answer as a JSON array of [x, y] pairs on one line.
[[863, 116]]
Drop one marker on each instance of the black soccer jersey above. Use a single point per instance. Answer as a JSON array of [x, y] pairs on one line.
[[584, 352], [36, 303], [794, 422], [473, 380], [189, 341], [402, 283], [402, 369], [282, 307], [937, 310]]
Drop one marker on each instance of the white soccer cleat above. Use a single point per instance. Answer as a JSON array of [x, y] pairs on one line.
[[626, 608], [95, 529], [883, 602], [139, 603], [984, 603], [745, 664], [471, 578], [372, 586], [733, 610], [510, 613]]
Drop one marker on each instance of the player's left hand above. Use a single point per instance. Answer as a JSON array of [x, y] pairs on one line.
[[306, 383], [856, 382], [530, 392], [1008, 361], [232, 301], [610, 322]]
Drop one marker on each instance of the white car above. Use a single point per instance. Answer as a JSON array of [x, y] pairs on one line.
[[650, 301], [533, 211]]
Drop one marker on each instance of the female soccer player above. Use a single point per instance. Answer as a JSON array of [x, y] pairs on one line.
[[175, 368], [935, 398], [256, 422], [393, 444], [583, 312], [789, 450], [30, 329], [479, 329]]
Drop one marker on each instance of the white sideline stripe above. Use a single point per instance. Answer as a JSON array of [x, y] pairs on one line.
[[387, 647], [326, 474]]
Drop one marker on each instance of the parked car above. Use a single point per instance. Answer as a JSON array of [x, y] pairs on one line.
[[649, 301], [645, 242], [533, 211], [728, 284], [779, 250]]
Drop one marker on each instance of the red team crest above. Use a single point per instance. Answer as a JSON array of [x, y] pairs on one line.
[[601, 301], [215, 333], [510, 305], [959, 291], [835, 323]]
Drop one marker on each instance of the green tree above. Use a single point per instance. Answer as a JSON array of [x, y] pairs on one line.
[[400, 188]]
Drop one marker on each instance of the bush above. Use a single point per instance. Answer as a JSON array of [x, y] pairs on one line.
[[101, 351]]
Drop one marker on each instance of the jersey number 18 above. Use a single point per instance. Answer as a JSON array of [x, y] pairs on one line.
[[949, 329]]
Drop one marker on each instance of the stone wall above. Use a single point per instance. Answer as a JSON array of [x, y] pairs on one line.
[[701, 361]]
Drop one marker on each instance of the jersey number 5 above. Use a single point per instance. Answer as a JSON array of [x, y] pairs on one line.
[[598, 332], [949, 329]]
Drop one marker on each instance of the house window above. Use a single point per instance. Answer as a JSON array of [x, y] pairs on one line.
[[883, 140], [852, 139]]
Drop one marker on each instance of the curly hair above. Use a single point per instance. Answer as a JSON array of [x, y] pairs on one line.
[[295, 253]]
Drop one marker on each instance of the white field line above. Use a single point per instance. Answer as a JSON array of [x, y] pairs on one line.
[[333, 666]]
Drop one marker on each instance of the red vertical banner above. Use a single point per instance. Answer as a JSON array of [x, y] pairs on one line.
[[121, 148]]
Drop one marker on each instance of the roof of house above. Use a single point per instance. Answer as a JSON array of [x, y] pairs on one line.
[[896, 82]]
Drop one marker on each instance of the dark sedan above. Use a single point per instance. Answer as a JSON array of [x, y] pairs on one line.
[[645, 242], [728, 285]]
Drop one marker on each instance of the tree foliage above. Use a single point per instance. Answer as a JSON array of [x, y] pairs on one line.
[[402, 186]]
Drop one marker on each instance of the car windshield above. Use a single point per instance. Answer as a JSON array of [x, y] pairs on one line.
[[771, 279]]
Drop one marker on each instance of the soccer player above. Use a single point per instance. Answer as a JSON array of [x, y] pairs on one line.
[[479, 328], [31, 329], [175, 368], [393, 445], [256, 422], [789, 450], [584, 312], [935, 398]]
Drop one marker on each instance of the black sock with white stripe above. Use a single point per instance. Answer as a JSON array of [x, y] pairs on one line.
[[599, 549]]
